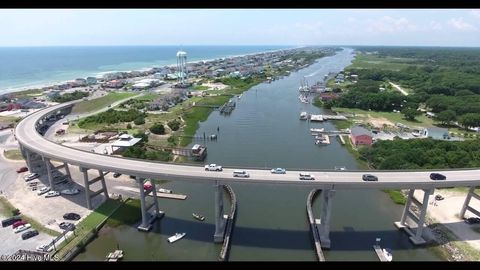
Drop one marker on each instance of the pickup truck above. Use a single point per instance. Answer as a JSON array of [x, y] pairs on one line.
[[213, 167]]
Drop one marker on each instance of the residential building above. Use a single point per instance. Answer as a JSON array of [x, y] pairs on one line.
[[361, 136], [435, 133]]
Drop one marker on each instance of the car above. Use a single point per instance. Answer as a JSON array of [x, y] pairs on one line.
[[43, 190], [472, 220], [29, 234], [439, 197], [10, 221], [71, 191], [306, 176], [116, 175], [22, 228], [369, 177], [22, 169], [71, 216], [18, 223], [278, 171], [241, 173], [52, 193], [437, 176], [30, 176], [67, 226], [147, 187], [213, 167], [45, 248]]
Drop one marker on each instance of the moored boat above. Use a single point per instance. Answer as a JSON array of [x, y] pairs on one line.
[[176, 237], [388, 254], [198, 216], [164, 190]]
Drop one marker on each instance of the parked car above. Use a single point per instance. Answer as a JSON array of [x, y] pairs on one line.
[[278, 171], [439, 197], [29, 234], [52, 194], [22, 228], [71, 191], [45, 248], [147, 187], [30, 176], [241, 173], [472, 220], [306, 176], [43, 190], [10, 221], [213, 167], [67, 226], [71, 216], [19, 223], [437, 176], [369, 177], [116, 175], [22, 169]]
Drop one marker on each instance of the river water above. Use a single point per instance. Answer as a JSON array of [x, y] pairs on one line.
[[264, 130]]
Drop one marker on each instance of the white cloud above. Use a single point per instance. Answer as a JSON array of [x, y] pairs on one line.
[[461, 24], [387, 24], [434, 25], [475, 13]]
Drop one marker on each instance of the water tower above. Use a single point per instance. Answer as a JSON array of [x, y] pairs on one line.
[[182, 66]]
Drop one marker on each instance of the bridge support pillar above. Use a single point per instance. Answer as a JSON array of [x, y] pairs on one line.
[[49, 166], [89, 194], [147, 218], [415, 237], [466, 206], [27, 156], [324, 226], [219, 217]]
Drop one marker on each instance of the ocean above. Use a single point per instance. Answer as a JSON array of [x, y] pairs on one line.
[[30, 67]]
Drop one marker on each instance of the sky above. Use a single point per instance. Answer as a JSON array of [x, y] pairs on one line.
[[299, 27]]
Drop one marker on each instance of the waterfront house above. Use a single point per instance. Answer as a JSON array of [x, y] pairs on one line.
[[435, 133], [80, 82], [361, 136], [91, 80]]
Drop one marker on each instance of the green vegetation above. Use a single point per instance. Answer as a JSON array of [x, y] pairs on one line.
[[174, 125], [26, 93], [6, 209], [110, 117], [158, 129], [13, 154], [141, 150], [396, 196], [99, 103], [422, 154], [200, 87], [88, 226], [70, 96], [129, 213], [139, 120]]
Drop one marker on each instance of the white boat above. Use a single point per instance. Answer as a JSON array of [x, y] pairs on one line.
[[176, 237], [164, 190], [388, 254], [303, 116], [317, 129]]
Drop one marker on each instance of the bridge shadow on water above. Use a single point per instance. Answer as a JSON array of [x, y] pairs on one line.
[[347, 239]]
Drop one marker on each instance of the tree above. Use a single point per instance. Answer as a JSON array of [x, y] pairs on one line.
[[410, 113], [139, 121], [129, 126], [158, 129], [174, 125], [470, 120], [446, 116]]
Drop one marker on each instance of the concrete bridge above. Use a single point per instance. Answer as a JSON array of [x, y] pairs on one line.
[[38, 153]]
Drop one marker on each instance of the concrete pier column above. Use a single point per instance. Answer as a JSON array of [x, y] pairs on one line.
[[219, 220], [48, 165], [87, 187], [143, 206], [407, 206], [324, 227], [67, 170], [155, 198], [471, 191], [104, 186], [423, 213]]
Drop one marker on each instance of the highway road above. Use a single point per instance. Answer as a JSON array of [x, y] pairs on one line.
[[28, 137]]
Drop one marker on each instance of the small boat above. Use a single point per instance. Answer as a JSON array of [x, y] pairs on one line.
[[164, 190], [317, 129], [176, 237], [198, 216], [115, 256], [303, 116], [388, 254]]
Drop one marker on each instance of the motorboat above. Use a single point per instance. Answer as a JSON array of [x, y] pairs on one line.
[[176, 237], [317, 129], [164, 190], [303, 116], [388, 254], [198, 216]]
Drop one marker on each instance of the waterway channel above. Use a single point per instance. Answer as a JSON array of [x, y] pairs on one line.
[[264, 130]]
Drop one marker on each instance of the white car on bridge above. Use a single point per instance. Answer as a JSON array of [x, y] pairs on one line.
[[213, 167]]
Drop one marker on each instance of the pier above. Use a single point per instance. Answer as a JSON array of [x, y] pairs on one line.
[[342, 140], [321, 117], [379, 252], [228, 107], [172, 196]]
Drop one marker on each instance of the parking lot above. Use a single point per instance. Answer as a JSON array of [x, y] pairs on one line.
[[12, 242]]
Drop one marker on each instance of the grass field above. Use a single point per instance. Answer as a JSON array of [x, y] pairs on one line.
[[363, 61], [13, 154], [99, 103]]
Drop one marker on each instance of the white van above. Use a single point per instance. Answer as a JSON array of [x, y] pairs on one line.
[[240, 173], [306, 176]]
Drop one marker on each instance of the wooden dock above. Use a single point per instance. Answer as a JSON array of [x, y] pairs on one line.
[[341, 139], [379, 252], [171, 196]]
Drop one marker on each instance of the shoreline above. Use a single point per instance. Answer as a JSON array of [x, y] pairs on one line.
[[100, 74]]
